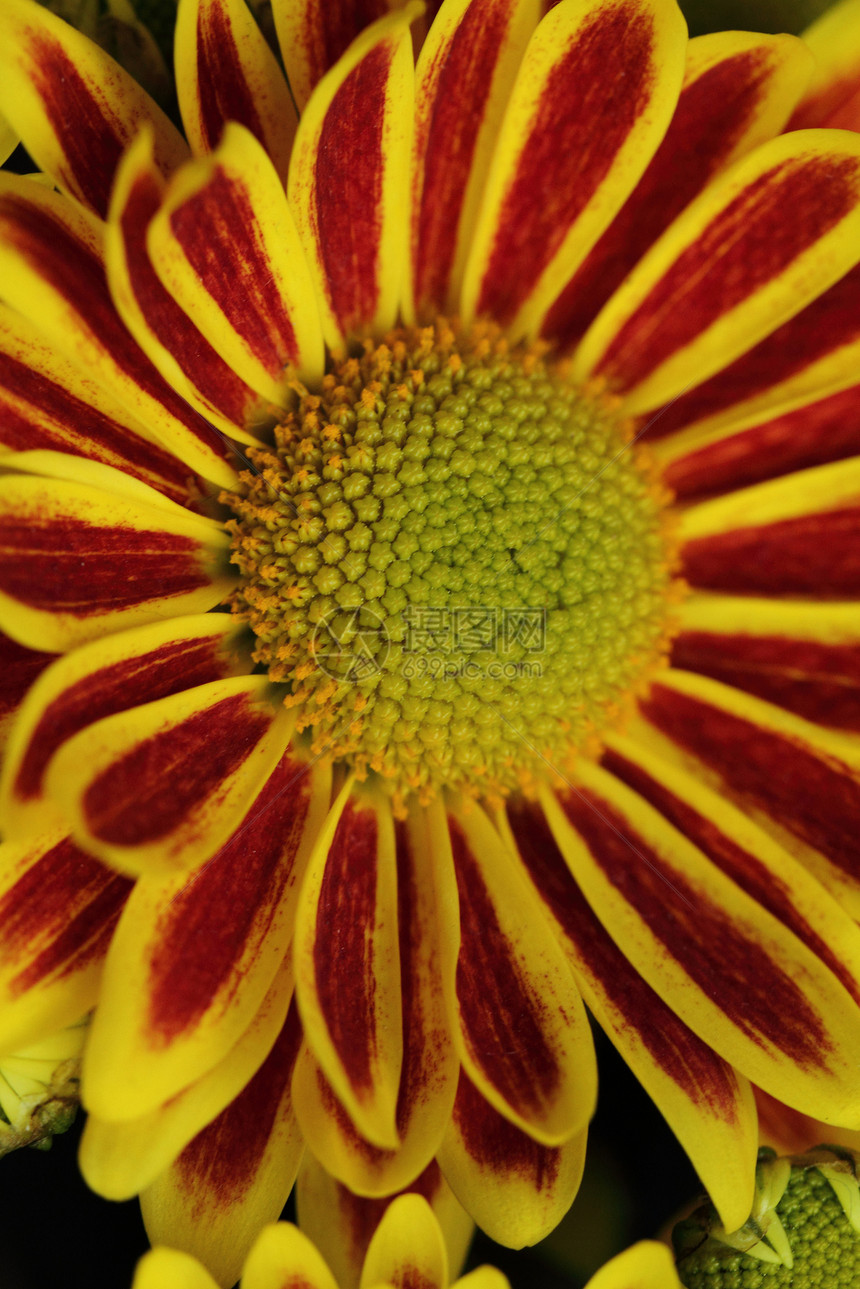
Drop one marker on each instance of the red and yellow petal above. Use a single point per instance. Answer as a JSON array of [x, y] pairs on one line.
[[113, 674], [45, 65], [19, 668], [646, 1265], [225, 71], [77, 561], [833, 97], [347, 956], [314, 34], [428, 930], [58, 910], [516, 1189], [794, 536], [730, 969], [465, 74], [283, 1256], [739, 91], [407, 1248], [52, 268], [801, 782], [750, 252], [119, 1158], [579, 137], [165, 333], [349, 179], [225, 247], [708, 1106], [524, 1035], [236, 1174], [162, 787], [191, 961]]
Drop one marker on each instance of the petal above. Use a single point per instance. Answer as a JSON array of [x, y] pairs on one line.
[[790, 1133], [19, 668], [225, 247], [169, 1269], [225, 71], [193, 958], [827, 430], [799, 781], [797, 536], [761, 242], [58, 910], [110, 675], [524, 1036], [708, 1107], [47, 402], [464, 76], [725, 965], [166, 334], [813, 354], [314, 34], [342, 1224], [516, 1189], [428, 929], [805, 657], [236, 1174], [51, 263], [283, 1256], [832, 96], [76, 561], [8, 141], [120, 1158], [162, 787], [347, 962], [73, 107], [739, 90], [348, 181], [578, 136], [406, 1248], [647, 1265]]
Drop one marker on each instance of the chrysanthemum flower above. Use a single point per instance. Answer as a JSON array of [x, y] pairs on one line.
[[463, 754], [407, 1249]]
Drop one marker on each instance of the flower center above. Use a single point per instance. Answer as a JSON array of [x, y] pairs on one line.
[[456, 562]]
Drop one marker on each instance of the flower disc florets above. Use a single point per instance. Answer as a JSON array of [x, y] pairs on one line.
[[455, 561]]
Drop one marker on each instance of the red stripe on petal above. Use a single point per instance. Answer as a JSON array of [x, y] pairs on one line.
[[738, 863], [231, 264], [223, 88], [825, 325], [828, 430], [67, 565], [149, 792], [349, 215], [710, 118], [499, 1013], [815, 555], [233, 899], [497, 1145], [181, 664], [820, 682], [343, 950], [747, 244], [680, 1053], [583, 119], [67, 902], [763, 1001], [225, 1156], [816, 799], [329, 29], [19, 667]]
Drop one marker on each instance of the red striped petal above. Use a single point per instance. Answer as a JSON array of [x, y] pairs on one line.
[[516, 1189], [706, 1103], [58, 910], [739, 90], [580, 137], [313, 34], [525, 1040], [225, 71], [464, 76], [53, 273], [74, 108], [186, 360], [19, 668], [760, 243], [235, 1176], [833, 97]]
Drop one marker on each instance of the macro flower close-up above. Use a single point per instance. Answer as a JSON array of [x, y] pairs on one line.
[[430, 596]]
